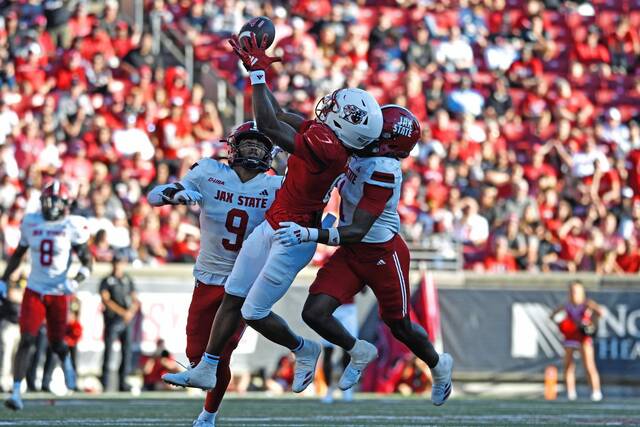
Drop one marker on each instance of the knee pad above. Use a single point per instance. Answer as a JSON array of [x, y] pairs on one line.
[[252, 312]]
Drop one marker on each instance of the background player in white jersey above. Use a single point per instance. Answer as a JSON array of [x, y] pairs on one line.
[[372, 253], [233, 202], [51, 235]]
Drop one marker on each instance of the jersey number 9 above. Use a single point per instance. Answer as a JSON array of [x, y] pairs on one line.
[[239, 230]]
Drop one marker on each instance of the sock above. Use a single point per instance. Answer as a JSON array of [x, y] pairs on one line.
[[211, 359], [16, 388], [207, 416], [300, 345], [355, 343]]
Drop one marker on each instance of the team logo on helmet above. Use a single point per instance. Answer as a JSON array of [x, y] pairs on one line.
[[404, 126], [353, 114]]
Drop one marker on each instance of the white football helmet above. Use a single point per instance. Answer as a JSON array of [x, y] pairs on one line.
[[353, 115]]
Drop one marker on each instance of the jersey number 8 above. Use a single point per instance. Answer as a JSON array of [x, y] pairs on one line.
[[46, 252]]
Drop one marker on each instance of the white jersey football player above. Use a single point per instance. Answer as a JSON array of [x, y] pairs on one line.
[[51, 236], [233, 199], [372, 253]]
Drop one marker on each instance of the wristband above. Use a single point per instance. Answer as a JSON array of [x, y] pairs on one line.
[[257, 77], [334, 237], [313, 234]]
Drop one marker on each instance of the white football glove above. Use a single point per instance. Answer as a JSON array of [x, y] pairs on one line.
[[184, 197], [291, 234], [3, 289], [70, 286]]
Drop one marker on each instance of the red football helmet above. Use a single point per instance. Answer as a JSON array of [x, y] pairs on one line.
[[243, 151], [400, 133], [55, 199]]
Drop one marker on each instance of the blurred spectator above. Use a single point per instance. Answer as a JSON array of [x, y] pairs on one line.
[[121, 305], [465, 100], [455, 54], [410, 376], [155, 366], [282, 377]]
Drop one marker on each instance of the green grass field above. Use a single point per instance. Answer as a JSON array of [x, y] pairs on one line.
[[178, 409]]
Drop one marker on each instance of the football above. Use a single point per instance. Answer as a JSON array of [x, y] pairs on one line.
[[259, 26]]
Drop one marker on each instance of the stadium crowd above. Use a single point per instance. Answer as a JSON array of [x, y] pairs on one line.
[[530, 156]]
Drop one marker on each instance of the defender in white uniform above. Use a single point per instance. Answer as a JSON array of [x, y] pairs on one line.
[[372, 253], [51, 236], [233, 200]]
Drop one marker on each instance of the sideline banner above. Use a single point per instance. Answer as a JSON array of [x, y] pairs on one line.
[[509, 331]]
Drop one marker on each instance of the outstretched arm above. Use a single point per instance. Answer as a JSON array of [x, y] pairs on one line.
[[292, 119], [265, 107], [281, 133]]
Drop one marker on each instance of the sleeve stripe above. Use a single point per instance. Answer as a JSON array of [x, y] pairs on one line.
[[383, 177]]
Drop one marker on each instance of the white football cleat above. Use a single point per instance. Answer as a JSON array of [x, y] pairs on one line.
[[203, 423], [306, 362], [362, 353], [571, 396], [203, 376], [596, 396], [14, 403], [441, 375], [328, 398], [347, 395]]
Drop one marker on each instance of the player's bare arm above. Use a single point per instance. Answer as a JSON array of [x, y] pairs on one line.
[[267, 121], [86, 261], [292, 119], [14, 262]]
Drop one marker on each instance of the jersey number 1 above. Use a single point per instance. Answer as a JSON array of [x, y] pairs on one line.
[[46, 252], [239, 230]]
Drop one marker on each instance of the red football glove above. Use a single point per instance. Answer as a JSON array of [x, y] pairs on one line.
[[252, 55]]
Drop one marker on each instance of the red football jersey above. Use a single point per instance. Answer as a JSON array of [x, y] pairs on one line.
[[318, 159]]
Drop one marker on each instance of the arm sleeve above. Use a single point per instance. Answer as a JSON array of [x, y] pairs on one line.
[[374, 199]]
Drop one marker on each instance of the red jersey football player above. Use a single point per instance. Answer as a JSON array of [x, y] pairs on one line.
[[346, 121], [51, 235], [372, 253]]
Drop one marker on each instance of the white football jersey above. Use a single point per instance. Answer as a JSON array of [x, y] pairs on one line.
[[50, 243], [230, 210], [379, 171]]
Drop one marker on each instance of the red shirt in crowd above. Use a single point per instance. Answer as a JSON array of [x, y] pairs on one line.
[[502, 264], [633, 165], [592, 54]]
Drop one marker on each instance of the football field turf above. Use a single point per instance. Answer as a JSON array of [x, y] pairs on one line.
[[176, 409]]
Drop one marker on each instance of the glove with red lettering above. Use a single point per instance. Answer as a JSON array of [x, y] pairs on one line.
[[253, 55]]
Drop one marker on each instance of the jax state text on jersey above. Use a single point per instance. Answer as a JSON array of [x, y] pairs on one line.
[[240, 200]]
